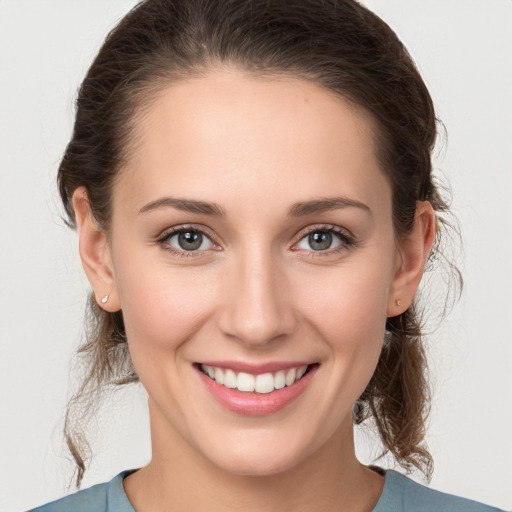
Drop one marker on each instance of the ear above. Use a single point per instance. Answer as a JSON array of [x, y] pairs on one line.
[[95, 253], [413, 251]]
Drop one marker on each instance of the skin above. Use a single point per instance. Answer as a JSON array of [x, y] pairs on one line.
[[258, 292]]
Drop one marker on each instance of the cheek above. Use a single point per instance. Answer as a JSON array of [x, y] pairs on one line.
[[348, 307], [348, 312], [162, 306]]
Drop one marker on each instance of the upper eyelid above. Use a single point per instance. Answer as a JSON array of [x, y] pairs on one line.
[[325, 227], [166, 233]]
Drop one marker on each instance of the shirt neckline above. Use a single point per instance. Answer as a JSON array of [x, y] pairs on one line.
[[117, 500]]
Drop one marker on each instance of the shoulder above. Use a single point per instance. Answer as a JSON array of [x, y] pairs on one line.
[[403, 494], [107, 497], [94, 498]]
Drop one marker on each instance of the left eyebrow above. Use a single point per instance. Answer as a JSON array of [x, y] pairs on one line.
[[329, 203], [187, 205]]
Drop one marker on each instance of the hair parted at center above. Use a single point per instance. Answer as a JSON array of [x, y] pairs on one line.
[[338, 44]]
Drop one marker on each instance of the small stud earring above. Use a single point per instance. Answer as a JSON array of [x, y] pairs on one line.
[[104, 299], [398, 303]]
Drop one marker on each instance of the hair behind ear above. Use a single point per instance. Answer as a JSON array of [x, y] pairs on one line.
[[398, 395], [103, 361]]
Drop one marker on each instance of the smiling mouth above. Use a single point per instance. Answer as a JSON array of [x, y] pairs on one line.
[[263, 383]]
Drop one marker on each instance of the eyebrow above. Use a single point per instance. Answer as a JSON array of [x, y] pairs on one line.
[[298, 209], [186, 205], [321, 205]]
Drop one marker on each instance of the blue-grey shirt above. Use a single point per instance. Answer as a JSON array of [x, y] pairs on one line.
[[400, 494]]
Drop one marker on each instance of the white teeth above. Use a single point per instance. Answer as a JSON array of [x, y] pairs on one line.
[[229, 379], [280, 379], [219, 375], [290, 376], [263, 383], [245, 382], [301, 371]]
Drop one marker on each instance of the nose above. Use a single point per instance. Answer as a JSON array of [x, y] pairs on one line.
[[257, 303]]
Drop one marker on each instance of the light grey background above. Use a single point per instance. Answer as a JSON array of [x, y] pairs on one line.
[[464, 51]]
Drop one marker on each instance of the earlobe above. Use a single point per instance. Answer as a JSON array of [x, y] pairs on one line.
[[414, 249], [95, 253]]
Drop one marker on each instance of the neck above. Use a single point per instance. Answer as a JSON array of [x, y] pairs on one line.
[[179, 478]]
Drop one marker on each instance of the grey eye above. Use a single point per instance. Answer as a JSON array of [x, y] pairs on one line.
[[190, 240], [319, 241]]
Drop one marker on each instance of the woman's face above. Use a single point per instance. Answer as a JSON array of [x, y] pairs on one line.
[[252, 235]]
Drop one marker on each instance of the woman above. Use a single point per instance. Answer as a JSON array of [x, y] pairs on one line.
[[252, 186]]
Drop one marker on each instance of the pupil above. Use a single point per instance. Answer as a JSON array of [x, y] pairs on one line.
[[320, 240], [190, 240]]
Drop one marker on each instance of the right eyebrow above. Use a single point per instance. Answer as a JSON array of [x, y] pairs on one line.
[[187, 205], [324, 204]]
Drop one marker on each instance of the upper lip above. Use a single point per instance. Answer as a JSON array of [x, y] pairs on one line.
[[257, 368]]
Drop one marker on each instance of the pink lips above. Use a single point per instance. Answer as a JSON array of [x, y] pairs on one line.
[[256, 404]]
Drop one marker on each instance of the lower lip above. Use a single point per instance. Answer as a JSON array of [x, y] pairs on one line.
[[257, 404]]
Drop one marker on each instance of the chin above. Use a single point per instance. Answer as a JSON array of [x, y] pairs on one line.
[[258, 457], [258, 466]]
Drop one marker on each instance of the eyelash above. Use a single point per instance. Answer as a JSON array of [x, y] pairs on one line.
[[164, 238], [346, 240]]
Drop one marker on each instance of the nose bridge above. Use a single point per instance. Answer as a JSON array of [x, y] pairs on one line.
[[257, 309]]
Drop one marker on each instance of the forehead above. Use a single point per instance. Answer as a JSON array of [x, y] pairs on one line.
[[275, 135]]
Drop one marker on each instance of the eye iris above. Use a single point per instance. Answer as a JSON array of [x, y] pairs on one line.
[[190, 240], [320, 240]]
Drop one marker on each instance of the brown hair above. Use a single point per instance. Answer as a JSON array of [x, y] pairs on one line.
[[336, 43]]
